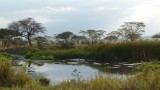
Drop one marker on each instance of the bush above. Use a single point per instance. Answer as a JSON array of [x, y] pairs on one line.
[[44, 81], [10, 77]]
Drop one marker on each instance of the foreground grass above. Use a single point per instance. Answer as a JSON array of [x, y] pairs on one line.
[[147, 81], [141, 81], [12, 79]]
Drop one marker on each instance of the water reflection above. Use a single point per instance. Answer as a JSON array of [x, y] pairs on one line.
[[60, 71]]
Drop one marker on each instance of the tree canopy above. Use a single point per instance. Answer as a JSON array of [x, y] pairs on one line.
[[131, 30], [28, 27], [65, 36]]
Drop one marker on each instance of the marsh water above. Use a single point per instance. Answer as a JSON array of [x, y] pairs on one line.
[[60, 71]]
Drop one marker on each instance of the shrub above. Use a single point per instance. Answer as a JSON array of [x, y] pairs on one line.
[[44, 81], [40, 55]]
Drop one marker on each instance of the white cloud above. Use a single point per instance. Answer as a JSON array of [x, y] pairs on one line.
[[147, 13], [144, 12], [49, 10], [4, 22], [44, 20], [104, 8]]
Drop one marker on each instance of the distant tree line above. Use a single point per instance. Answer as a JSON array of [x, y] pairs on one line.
[[26, 31]]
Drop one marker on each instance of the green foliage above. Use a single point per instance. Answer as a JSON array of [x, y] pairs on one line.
[[7, 32], [40, 55], [116, 52], [5, 57], [149, 66], [55, 54]]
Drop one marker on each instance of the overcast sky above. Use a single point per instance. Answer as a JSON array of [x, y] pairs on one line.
[[75, 15]]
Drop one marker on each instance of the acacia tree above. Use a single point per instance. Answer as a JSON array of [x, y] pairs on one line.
[[92, 35], [6, 36], [112, 36], [65, 36], [28, 27], [100, 34], [78, 39], [132, 30]]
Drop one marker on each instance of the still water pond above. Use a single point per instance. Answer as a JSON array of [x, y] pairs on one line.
[[60, 72]]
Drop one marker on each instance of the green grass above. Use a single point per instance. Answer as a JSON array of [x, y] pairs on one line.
[[5, 56], [147, 81], [56, 54], [129, 51], [115, 52]]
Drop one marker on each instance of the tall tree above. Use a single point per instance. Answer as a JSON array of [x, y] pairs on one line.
[[112, 36], [132, 30], [28, 27]]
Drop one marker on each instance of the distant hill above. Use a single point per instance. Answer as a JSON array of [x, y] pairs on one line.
[[149, 37]]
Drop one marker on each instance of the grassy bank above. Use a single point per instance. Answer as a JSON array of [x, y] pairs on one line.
[[117, 52], [55, 54], [130, 51]]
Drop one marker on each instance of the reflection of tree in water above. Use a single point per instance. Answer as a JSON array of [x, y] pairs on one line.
[[29, 63]]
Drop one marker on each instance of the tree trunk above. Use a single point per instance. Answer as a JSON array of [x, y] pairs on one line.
[[29, 41]]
